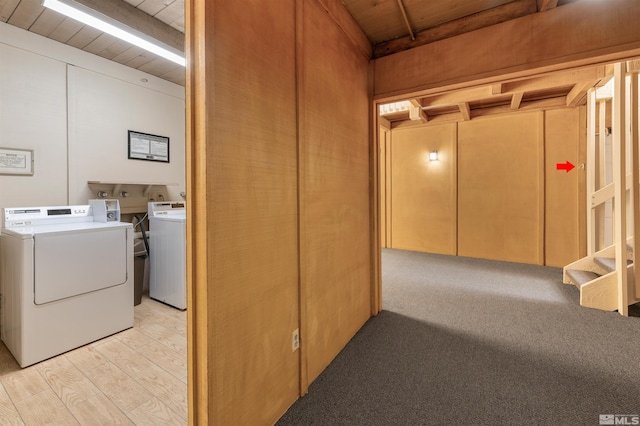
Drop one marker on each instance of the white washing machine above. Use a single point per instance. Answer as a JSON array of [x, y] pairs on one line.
[[168, 253], [65, 280]]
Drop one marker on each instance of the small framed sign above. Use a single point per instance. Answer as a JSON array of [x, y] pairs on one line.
[[143, 146], [16, 161]]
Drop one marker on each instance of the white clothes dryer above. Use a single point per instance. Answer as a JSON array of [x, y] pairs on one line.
[[168, 253], [65, 280]]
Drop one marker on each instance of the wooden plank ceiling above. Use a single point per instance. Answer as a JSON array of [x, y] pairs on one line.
[[161, 19], [390, 25]]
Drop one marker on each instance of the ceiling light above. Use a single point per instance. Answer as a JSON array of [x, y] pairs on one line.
[[110, 26]]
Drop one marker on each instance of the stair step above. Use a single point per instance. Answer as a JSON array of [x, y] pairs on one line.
[[608, 263], [581, 277]]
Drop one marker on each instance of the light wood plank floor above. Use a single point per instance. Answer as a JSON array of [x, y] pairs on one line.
[[136, 377]]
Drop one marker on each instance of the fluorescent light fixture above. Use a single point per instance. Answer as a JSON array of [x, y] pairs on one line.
[[433, 156], [110, 26], [394, 107]]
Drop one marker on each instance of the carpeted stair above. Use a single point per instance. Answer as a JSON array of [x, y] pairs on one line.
[[596, 278]]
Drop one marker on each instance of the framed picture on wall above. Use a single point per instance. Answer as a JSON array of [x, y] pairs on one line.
[[144, 146], [16, 161]]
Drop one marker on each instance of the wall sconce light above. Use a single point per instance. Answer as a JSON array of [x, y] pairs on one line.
[[433, 156]]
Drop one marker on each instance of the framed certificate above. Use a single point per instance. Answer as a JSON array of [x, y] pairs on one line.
[[16, 161], [143, 146]]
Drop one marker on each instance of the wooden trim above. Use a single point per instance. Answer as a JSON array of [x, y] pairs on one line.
[[541, 190], [600, 174], [582, 192], [455, 179], [301, 132], [619, 179], [505, 12], [591, 171], [635, 179], [389, 213], [197, 250], [374, 166]]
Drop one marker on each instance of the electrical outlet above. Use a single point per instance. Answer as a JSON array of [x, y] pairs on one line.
[[295, 340]]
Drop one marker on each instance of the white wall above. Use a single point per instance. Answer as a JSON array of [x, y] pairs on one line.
[[74, 110], [33, 116]]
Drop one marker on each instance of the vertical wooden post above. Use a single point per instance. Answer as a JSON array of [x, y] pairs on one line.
[[591, 171], [635, 188], [620, 184], [601, 177], [198, 319]]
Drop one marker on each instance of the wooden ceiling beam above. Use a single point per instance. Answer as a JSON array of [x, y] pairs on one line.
[[406, 19], [578, 95], [459, 96], [417, 114], [552, 103], [516, 100], [496, 15], [465, 111], [134, 18], [524, 106], [580, 79], [416, 102], [559, 79]]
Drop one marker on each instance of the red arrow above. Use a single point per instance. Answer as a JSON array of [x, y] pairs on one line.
[[566, 166]]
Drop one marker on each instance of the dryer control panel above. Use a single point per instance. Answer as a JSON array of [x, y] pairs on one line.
[[30, 216], [166, 208]]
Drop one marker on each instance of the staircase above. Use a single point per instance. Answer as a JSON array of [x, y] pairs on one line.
[[613, 190], [596, 278]]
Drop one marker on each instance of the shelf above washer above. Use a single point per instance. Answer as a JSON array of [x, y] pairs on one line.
[[118, 185]]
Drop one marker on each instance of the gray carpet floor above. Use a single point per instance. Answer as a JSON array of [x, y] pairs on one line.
[[477, 342]]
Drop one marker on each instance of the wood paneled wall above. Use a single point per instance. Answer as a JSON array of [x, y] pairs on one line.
[[584, 32], [512, 202], [335, 240], [565, 140], [243, 192], [423, 194], [500, 188], [278, 172]]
